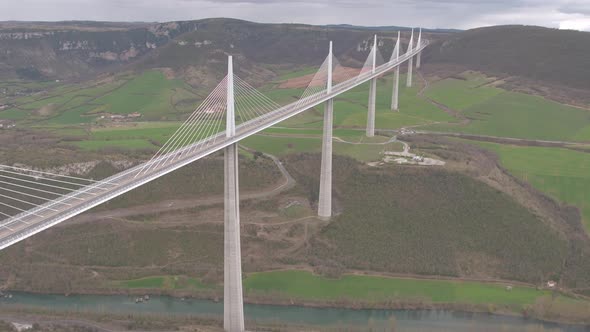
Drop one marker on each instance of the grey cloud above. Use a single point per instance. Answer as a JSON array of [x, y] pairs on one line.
[[576, 7], [461, 14]]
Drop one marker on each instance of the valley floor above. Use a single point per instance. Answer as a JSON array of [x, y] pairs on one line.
[[416, 238]]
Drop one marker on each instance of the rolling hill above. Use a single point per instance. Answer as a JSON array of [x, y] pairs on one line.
[[541, 54], [70, 50]]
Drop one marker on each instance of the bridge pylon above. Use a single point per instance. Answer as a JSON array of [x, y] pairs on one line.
[[325, 195], [233, 303], [395, 94], [410, 61], [419, 56], [372, 95]]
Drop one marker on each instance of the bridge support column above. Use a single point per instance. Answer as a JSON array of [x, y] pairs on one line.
[[325, 195], [419, 56], [233, 303], [410, 65], [410, 61], [371, 114], [372, 95], [395, 94]]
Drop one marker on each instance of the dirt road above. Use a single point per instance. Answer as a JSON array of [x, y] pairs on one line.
[[180, 204]]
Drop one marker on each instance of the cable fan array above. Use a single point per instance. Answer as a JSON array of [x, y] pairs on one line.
[[206, 120], [25, 192], [206, 124], [367, 69]]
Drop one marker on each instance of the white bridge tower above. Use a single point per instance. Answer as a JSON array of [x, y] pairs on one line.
[[233, 303], [372, 95], [325, 195]]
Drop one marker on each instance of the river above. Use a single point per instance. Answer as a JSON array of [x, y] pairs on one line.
[[405, 320]]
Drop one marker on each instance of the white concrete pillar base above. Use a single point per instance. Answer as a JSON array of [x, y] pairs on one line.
[[325, 195], [233, 303], [371, 113]]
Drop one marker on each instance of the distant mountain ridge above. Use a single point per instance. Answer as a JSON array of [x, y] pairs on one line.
[[77, 49], [537, 53], [197, 49], [388, 28], [80, 49]]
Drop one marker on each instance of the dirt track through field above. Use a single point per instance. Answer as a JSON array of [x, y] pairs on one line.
[[180, 204]]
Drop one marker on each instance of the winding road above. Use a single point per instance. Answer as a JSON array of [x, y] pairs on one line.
[[180, 204]]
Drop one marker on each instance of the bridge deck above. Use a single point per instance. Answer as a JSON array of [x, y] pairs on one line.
[[26, 224]]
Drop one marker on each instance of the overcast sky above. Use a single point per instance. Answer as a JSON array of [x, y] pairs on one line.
[[461, 14]]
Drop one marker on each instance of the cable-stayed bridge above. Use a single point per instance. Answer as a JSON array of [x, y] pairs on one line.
[[32, 201]]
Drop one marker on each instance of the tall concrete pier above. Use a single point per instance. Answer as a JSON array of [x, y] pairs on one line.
[[419, 56], [372, 95], [395, 94], [248, 112], [410, 61], [325, 199], [233, 303]]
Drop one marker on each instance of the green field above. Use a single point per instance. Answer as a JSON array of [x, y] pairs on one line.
[[285, 145], [303, 132], [306, 286], [158, 131], [129, 136], [127, 144], [280, 146], [561, 173], [350, 108], [149, 93], [495, 112], [460, 94], [365, 152], [148, 282], [163, 282], [298, 73], [76, 110], [303, 285], [342, 133], [13, 114]]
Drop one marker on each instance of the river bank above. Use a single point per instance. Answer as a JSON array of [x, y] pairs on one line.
[[358, 292], [163, 310]]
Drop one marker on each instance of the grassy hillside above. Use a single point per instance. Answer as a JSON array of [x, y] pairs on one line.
[[31, 53], [495, 112], [558, 56], [561, 173], [510, 114], [150, 93], [463, 91], [200, 179], [350, 108], [352, 290], [457, 227], [304, 285]]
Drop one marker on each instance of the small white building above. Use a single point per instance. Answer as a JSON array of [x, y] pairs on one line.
[[7, 124]]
